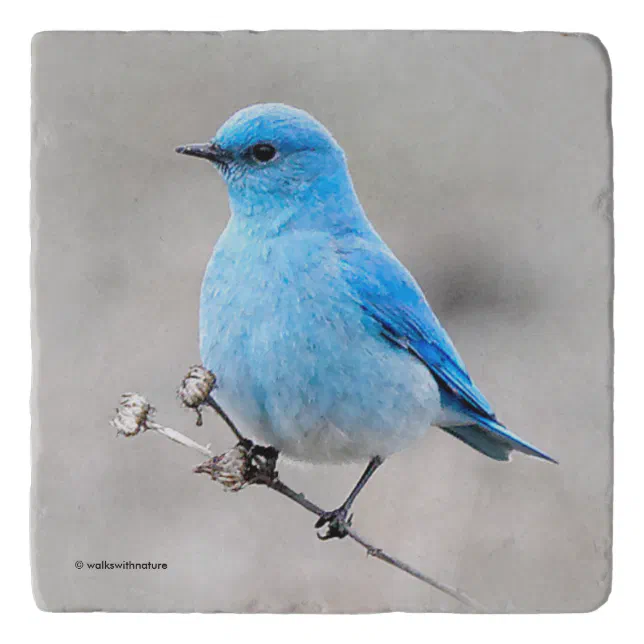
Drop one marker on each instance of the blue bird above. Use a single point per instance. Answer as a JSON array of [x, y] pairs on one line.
[[322, 342]]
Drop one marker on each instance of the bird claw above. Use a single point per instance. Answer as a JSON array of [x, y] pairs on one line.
[[262, 460], [337, 523]]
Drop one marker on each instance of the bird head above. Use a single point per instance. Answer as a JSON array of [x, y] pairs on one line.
[[273, 152], [270, 145]]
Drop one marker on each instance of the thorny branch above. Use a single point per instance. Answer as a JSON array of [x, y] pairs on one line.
[[246, 463]]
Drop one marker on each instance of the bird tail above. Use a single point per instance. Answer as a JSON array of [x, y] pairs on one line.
[[491, 438]]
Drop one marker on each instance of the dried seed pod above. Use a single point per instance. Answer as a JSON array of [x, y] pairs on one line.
[[133, 415], [230, 468], [195, 389]]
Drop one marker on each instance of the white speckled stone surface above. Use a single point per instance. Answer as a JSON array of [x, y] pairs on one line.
[[484, 159]]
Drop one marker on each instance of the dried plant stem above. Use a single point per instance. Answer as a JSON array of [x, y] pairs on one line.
[[246, 463], [210, 401], [180, 438], [275, 484], [373, 551]]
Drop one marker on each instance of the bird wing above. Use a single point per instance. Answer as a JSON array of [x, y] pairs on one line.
[[386, 291], [389, 294]]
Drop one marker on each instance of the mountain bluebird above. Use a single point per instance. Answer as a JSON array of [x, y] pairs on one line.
[[322, 342]]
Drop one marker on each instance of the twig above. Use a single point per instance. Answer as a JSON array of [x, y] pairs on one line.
[[246, 463], [210, 401], [372, 550], [134, 415]]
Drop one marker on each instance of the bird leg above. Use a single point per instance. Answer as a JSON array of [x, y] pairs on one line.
[[248, 463], [338, 519]]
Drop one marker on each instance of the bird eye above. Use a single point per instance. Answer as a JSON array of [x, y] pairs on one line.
[[263, 152]]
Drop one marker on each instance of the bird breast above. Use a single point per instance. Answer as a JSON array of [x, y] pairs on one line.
[[295, 355]]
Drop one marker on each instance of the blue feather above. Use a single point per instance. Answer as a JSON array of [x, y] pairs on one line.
[[322, 342], [391, 296]]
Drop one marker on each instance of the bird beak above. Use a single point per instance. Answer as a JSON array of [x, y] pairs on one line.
[[210, 151]]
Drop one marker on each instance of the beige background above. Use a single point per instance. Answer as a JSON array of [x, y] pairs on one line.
[[482, 159]]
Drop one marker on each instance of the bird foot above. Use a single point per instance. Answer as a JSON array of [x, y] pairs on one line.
[[337, 523], [261, 461]]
